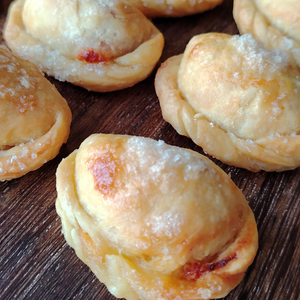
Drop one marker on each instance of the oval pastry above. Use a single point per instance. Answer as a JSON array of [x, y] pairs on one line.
[[34, 118], [154, 221], [275, 23], [100, 45], [235, 99], [173, 8]]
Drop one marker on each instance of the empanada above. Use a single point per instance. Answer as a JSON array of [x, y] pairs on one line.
[[34, 118], [173, 8], [235, 99], [101, 45], [154, 221], [274, 22]]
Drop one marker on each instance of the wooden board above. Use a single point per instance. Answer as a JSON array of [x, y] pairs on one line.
[[35, 261]]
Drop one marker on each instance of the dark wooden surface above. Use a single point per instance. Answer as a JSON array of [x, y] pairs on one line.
[[36, 263]]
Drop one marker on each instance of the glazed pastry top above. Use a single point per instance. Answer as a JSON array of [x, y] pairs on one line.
[[34, 118], [236, 99], [29, 103], [99, 45], [247, 83], [91, 31]]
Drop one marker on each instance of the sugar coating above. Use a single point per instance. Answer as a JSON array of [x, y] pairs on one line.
[[12, 162], [256, 56], [204, 293], [154, 162], [22, 78], [153, 190], [167, 224], [255, 84], [24, 81], [286, 43], [163, 158]]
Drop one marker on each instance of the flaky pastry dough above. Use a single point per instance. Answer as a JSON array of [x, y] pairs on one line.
[[154, 221], [173, 8], [274, 22], [34, 118], [236, 99], [101, 45]]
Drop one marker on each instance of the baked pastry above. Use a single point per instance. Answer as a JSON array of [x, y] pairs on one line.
[[235, 99], [173, 8], [276, 23], [34, 118], [101, 45], [154, 221]]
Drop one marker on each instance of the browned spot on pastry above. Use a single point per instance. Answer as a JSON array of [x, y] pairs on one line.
[[193, 270], [247, 239], [90, 56], [104, 169], [5, 147]]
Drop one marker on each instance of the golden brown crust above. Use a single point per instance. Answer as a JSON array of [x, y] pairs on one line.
[[173, 8], [107, 45], [35, 119], [154, 221], [275, 23], [236, 100]]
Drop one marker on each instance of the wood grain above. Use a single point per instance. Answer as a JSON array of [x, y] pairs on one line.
[[35, 261]]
